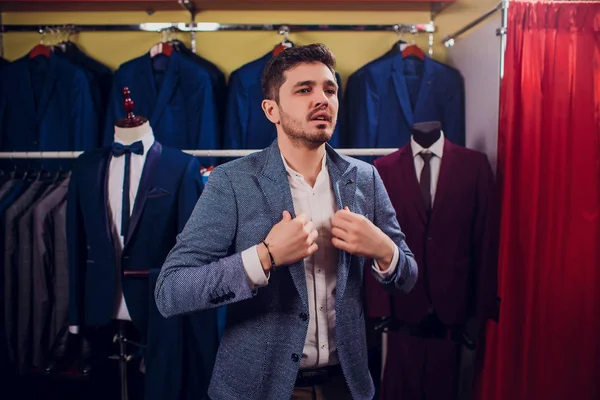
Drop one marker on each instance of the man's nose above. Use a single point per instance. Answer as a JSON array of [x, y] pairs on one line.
[[321, 99]]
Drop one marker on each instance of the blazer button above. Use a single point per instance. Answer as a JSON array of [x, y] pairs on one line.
[[303, 316], [295, 357], [429, 237]]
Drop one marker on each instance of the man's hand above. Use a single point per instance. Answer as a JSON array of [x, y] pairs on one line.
[[358, 236], [290, 240]]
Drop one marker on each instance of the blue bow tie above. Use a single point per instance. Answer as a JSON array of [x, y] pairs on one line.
[[119, 149]]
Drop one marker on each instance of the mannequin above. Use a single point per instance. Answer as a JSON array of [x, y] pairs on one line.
[[445, 202], [426, 133], [127, 203]]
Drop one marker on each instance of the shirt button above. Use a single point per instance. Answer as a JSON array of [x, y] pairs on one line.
[[323, 346], [429, 237], [303, 316], [295, 357], [321, 308]]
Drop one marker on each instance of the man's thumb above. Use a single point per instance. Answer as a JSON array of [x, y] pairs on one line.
[[286, 215]]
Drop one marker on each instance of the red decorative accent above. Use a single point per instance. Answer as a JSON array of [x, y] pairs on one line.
[[413, 50], [136, 273], [40, 50], [278, 49], [131, 120]]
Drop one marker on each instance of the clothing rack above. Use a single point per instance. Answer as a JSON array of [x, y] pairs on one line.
[[502, 6], [194, 27], [40, 155]]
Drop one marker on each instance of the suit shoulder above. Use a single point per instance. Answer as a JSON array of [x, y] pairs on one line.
[[248, 165], [131, 66], [391, 160], [252, 68], [470, 156], [177, 158]]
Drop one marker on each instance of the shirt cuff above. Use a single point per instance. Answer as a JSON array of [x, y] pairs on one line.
[[390, 271], [254, 271], [74, 329]]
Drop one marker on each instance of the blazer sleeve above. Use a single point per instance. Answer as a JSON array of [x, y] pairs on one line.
[[77, 244], [236, 121], [404, 277], [201, 267], [485, 243]]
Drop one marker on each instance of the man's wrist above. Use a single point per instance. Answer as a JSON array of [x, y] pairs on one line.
[[265, 259], [386, 257]]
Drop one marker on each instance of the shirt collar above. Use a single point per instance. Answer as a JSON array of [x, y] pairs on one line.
[[291, 172], [147, 140], [437, 148]]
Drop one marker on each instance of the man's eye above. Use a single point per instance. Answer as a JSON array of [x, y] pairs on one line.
[[305, 90]]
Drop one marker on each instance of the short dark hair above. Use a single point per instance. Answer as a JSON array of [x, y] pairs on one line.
[[273, 75]]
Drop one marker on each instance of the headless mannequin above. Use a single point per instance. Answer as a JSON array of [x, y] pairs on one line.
[[125, 136], [427, 133]]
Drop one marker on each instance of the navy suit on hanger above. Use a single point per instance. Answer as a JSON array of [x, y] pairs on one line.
[[387, 96], [169, 188], [246, 126], [46, 105], [175, 94]]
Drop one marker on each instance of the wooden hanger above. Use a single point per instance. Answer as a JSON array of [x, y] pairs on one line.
[[286, 43], [413, 50], [40, 49]]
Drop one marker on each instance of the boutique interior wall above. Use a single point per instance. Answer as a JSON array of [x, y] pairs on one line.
[[230, 50]]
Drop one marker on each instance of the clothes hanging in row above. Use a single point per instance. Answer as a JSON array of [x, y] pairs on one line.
[[46, 104], [35, 274], [181, 94], [387, 96]]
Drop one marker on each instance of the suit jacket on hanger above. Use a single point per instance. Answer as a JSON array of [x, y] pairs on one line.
[[457, 252], [246, 126], [169, 188], [46, 105], [384, 99], [180, 104]]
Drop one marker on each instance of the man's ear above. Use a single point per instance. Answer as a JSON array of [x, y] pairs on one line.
[[271, 110]]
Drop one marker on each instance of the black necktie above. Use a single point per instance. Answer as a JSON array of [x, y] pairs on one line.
[[425, 181], [118, 150]]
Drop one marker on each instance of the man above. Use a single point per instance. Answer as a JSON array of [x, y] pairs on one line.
[[281, 237]]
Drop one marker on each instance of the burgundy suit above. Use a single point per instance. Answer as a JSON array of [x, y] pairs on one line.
[[456, 254]]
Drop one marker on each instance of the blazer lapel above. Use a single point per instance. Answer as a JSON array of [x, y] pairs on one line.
[[276, 189], [427, 85], [146, 91], [409, 174], [343, 181], [146, 183], [401, 89], [102, 183], [48, 88], [167, 89], [445, 178]]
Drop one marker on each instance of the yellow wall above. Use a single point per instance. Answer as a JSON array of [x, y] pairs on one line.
[[229, 50]]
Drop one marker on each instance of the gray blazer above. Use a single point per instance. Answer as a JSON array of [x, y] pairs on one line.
[[260, 351]]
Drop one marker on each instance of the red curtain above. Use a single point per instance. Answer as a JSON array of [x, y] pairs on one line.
[[547, 343]]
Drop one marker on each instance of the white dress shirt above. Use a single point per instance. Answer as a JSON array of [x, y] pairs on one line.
[[116, 173], [319, 205], [437, 149]]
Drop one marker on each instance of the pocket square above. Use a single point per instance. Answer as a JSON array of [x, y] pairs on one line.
[[157, 192]]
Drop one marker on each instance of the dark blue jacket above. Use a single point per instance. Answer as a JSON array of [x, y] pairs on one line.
[[168, 191], [175, 94], [246, 126], [46, 105], [387, 96]]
